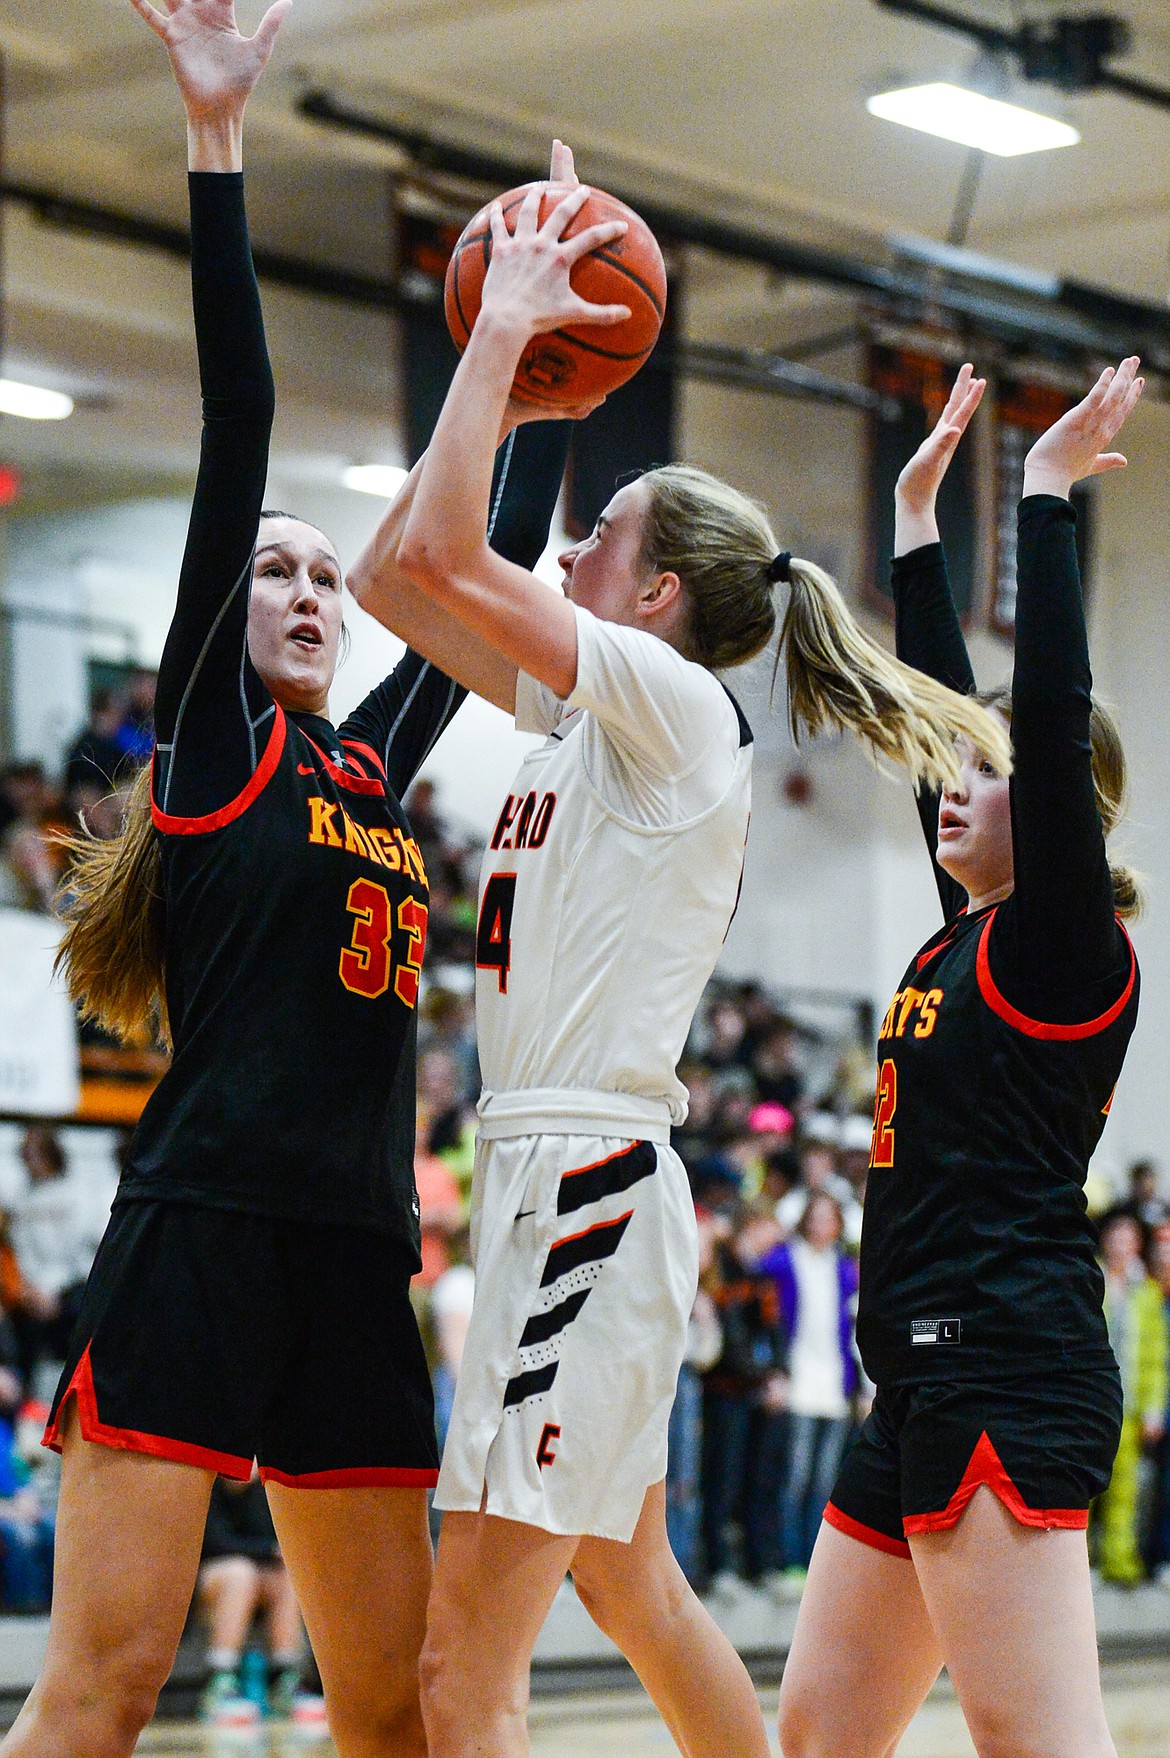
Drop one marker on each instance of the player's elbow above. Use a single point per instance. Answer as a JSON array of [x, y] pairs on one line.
[[427, 561]]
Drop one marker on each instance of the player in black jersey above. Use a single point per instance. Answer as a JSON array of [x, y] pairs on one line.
[[955, 1532], [251, 1296]]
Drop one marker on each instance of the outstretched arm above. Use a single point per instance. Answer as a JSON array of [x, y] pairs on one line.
[[1060, 935], [210, 704], [443, 548], [927, 630]]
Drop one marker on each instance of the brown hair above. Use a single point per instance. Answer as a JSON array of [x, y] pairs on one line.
[[113, 904], [1110, 786], [721, 545]]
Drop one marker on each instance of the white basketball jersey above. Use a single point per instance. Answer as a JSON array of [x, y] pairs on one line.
[[613, 872]]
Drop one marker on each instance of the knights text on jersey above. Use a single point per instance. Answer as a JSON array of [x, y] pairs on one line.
[[976, 1248], [296, 923], [612, 875]]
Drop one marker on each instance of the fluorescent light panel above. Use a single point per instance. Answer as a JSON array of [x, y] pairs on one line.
[[972, 120], [33, 402], [380, 479]]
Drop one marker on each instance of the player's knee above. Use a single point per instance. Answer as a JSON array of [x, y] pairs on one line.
[[390, 1726], [802, 1730], [999, 1735], [109, 1695], [618, 1601]]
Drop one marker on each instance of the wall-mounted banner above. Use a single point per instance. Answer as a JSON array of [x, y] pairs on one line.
[[38, 1035]]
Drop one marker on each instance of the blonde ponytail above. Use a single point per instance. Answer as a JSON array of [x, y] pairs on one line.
[[838, 677], [113, 905], [721, 546]]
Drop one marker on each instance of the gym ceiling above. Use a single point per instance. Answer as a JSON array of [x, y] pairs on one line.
[[741, 121]]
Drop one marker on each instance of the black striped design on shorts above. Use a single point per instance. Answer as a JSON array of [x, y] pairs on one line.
[[543, 1325], [588, 1184], [527, 1385], [591, 1246]]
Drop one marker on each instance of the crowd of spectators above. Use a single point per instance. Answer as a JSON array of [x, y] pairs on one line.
[[35, 807], [776, 1145]]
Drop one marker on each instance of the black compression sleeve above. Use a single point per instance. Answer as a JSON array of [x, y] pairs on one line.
[[929, 637], [405, 715], [1059, 936], [210, 703]]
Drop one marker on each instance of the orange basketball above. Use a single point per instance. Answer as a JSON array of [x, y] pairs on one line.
[[581, 362]]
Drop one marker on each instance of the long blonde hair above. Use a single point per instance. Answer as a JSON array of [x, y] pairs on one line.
[[113, 904], [721, 545], [1110, 789]]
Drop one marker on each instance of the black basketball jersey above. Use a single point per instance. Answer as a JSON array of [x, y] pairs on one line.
[[296, 897], [999, 1054], [976, 1248], [296, 925]]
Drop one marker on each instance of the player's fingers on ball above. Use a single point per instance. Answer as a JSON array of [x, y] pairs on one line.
[[601, 314], [567, 209], [497, 223], [528, 216], [593, 237]]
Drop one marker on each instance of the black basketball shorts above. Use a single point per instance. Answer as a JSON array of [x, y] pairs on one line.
[[1043, 1443], [214, 1337]]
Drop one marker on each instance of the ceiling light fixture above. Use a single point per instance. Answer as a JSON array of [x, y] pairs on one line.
[[33, 402], [972, 120], [380, 479]]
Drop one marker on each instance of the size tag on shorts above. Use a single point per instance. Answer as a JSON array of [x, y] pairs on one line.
[[935, 1330]]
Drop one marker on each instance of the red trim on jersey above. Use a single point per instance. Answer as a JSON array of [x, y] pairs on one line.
[[986, 1467], [1035, 1028], [924, 958], [262, 775], [357, 784], [362, 1477], [620, 1154], [893, 1547], [365, 750], [597, 1227], [130, 1440]]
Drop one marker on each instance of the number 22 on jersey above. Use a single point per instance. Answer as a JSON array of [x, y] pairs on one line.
[[881, 1152], [366, 964]]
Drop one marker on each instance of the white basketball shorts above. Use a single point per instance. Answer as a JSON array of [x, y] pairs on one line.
[[586, 1261]]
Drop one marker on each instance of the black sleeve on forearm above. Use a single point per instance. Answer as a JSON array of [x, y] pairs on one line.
[[404, 716], [1059, 937], [210, 704], [928, 636]]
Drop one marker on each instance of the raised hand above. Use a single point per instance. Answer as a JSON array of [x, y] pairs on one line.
[[527, 288], [1077, 445], [215, 67], [921, 479]]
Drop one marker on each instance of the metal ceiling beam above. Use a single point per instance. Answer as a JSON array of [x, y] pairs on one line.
[[752, 368], [1069, 321]]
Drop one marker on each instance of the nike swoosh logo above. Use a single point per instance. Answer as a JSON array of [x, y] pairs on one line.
[[306, 769], [524, 1213]]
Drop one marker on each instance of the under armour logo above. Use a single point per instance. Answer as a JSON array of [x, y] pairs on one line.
[[544, 1454]]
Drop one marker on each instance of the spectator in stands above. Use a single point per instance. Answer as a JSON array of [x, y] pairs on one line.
[[447, 1022], [1157, 1552], [816, 1284], [446, 1116], [726, 1034], [451, 1299], [96, 759], [1145, 1201], [56, 1224], [30, 861], [242, 1574], [776, 1066], [819, 1171], [430, 831], [684, 1497], [695, 1136], [440, 1215], [26, 1529], [1135, 1314], [743, 1407], [135, 734]]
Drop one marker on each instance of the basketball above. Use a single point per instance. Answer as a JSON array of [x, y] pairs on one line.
[[579, 363]]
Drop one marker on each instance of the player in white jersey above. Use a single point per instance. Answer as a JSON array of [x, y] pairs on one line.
[[607, 890]]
